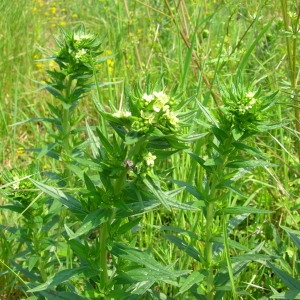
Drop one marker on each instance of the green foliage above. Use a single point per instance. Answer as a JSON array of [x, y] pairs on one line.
[[156, 160], [290, 280]]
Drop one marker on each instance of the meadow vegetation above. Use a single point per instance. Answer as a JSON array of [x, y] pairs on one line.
[[149, 149]]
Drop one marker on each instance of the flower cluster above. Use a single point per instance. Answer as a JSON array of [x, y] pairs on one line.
[[245, 111], [143, 164], [76, 60], [151, 124], [155, 112], [247, 103], [79, 49]]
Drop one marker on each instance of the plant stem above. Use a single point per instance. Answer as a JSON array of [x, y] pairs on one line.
[[66, 126], [208, 250], [66, 131], [41, 263], [103, 256], [215, 178], [227, 254], [291, 47]]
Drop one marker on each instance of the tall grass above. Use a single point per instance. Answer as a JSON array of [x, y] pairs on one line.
[[233, 230]]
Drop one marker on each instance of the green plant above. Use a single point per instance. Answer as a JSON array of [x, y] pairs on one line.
[[156, 194], [291, 32], [124, 162], [228, 160], [287, 268]]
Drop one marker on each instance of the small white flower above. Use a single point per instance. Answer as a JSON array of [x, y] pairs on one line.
[[150, 158], [172, 118], [81, 36], [250, 95], [80, 53], [16, 183], [148, 98], [122, 114], [158, 106], [161, 96], [252, 102], [127, 114]]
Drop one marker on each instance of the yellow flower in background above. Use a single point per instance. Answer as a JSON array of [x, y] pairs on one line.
[[20, 151], [53, 10]]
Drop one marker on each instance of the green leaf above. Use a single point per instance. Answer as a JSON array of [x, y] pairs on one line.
[[128, 226], [287, 279], [88, 163], [195, 278], [289, 230], [53, 121], [227, 185], [251, 150], [184, 206], [194, 137], [58, 295], [81, 251], [89, 183], [32, 261], [139, 288], [215, 161], [30, 275], [136, 208], [222, 277], [292, 295], [64, 198], [232, 244], [220, 134], [166, 198], [237, 133], [157, 192], [249, 164], [184, 246], [295, 240], [47, 151], [175, 142], [104, 142], [178, 230], [189, 188], [55, 93], [93, 220], [145, 259], [235, 221], [16, 208], [63, 276], [200, 161], [242, 210], [133, 137], [92, 140], [293, 236], [209, 116], [149, 274], [250, 257]]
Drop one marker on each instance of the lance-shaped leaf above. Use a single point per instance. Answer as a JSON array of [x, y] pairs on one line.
[[242, 210], [66, 199], [93, 220]]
